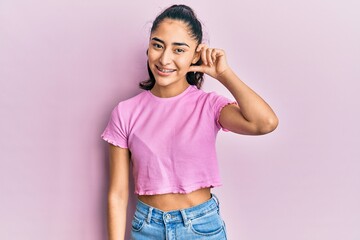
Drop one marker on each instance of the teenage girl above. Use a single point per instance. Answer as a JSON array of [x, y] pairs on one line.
[[168, 132]]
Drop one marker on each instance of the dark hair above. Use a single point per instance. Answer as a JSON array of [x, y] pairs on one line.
[[187, 16]]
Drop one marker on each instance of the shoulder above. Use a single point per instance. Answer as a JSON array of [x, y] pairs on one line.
[[200, 93], [216, 101], [209, 97], [126, 108], [133, 101]]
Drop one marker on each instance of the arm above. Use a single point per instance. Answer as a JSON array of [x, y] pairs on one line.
[[118, 192], [252, 115]]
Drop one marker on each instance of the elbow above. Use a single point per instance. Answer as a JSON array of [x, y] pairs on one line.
[[268, 126], [118, 196], [116, 201]]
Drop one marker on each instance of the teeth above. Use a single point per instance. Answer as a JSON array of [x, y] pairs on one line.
[[165, 70]]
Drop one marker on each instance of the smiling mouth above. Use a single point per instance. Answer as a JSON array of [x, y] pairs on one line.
[[165, 70]]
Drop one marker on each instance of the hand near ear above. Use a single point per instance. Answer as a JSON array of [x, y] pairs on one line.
[[214, 61]]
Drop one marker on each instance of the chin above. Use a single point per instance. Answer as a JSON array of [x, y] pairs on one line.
[[163, 83]]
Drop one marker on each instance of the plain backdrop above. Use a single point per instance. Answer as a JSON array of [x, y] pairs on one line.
[[65, 64]]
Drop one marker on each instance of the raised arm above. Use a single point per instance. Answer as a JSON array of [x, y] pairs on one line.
[[252, 115], [118, 192]]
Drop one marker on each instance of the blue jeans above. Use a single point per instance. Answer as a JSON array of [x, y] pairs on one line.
[[199, 222]]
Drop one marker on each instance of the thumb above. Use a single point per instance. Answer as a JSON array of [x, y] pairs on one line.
[[195, 68]]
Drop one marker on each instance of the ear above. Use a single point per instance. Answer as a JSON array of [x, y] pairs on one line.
[[196, 57]]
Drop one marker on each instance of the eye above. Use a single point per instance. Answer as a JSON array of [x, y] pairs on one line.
[[179, 50], [156, 45]]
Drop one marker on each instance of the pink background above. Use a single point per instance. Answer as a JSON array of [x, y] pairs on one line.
[[65, 64]]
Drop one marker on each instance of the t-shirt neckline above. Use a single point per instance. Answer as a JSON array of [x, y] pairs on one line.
[[170, 98]]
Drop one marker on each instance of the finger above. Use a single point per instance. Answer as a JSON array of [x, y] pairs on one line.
[[208, 56], [195, 68], [214, 55], [203, 54], [200, 46]]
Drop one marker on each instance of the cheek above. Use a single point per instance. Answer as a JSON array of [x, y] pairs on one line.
[[152, 55], [184, 62]]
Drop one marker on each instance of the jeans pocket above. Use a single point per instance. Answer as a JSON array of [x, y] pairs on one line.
[[207, 225], [137, 224]]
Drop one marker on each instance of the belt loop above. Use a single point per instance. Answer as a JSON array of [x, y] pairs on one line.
[[216, 199], [217, 202], [148, 219], [185, 219]]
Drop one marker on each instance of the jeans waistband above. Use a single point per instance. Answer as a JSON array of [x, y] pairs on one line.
[[182, 215]]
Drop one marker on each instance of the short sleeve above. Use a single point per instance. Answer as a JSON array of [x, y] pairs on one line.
[[218, 103], [114, 132]]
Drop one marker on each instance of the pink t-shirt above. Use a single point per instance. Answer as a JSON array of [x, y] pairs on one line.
[[171, 140]]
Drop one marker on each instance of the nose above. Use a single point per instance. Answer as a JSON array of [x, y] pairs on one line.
[[166, 57]]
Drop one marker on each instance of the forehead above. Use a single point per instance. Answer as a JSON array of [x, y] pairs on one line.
[[170, 31]]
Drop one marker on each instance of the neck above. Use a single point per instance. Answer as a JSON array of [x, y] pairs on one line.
[[169, 91]]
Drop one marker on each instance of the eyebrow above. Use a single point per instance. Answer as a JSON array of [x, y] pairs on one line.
[[174, 43]]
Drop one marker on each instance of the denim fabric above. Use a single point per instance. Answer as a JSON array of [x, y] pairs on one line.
[[199, 222]]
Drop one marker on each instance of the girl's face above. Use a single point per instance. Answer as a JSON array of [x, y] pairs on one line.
[[171, 52]]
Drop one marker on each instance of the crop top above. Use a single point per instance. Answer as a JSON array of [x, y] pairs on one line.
[[171, 140]]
